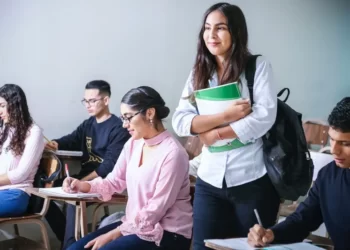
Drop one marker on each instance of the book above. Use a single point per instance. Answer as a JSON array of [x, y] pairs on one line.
[[58, 192], [242, 244], [214, 100]]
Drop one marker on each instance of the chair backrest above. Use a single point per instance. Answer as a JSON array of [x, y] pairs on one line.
[[316, 133], [193, 146], [49, 170]]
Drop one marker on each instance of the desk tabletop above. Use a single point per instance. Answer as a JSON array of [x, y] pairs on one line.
[[35, 191], [319, 241], [63, 156]]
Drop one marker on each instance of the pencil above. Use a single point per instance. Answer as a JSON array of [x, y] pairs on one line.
[[46, 139]]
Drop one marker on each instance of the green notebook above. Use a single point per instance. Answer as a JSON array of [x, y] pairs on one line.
[[227, 92], [215, 100]]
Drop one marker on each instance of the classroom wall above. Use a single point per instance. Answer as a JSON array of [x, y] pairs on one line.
[[53, 48]]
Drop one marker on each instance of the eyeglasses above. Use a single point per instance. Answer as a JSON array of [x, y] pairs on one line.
[[128, 119], [90, 102]]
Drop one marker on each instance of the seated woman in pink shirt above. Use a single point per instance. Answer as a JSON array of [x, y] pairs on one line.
[[153, 167], [21, 147]]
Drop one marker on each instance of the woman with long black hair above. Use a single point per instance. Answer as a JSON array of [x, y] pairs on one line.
[[21, 148]]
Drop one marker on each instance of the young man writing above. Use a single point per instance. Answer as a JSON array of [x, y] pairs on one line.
[[327, 201], [101, 139]]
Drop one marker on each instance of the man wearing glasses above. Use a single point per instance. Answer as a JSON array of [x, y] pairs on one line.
[[101, 139]]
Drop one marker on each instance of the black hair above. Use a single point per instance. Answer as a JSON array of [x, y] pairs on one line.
[[101, 85], [19, 118], [145, 97], [339, 119]]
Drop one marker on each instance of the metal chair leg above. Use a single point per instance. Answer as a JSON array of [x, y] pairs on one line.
[[15, 226]]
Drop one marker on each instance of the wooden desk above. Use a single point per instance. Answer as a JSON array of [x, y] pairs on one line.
[[321, 241], [65, 158], [80, 204], [215, 247]]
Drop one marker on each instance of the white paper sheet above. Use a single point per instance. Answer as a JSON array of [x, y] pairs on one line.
[[242, 244]]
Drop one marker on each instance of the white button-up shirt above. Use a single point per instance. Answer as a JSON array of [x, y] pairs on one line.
[[244, 164]]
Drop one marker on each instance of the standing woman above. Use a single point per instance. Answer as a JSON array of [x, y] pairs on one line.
[[21, 147], [232, 183]]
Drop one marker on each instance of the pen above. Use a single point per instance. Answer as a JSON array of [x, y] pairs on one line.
[[67, 172], [257, 217]]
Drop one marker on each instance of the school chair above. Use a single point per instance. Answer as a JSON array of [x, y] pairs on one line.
[[117, 199], [48, 171], [193, 146], [316, 133]]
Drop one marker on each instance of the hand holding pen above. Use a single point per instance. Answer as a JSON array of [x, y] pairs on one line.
[[70, 185], [258, 236]]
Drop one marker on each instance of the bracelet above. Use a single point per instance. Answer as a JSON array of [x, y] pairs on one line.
[[218, 133]]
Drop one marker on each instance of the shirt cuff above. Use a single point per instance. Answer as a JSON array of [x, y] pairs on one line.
[[185, 129], [153, 234], [97, 187], [242, 131]]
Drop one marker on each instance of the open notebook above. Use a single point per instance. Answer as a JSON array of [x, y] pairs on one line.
[[58, 192], [242, 244]]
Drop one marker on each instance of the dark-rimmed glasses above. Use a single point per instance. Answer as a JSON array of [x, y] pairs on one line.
[[128, 119]]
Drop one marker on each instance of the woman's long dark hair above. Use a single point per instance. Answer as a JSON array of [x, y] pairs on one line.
[[205, 64], [19, 118]]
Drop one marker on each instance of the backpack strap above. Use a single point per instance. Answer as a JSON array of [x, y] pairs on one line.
[[282, 92], [250, 74]]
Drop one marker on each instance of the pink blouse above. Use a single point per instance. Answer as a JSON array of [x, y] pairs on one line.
[[158, 191], [21, 169]]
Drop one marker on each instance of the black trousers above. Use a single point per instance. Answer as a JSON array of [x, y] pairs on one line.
[[229, 212]]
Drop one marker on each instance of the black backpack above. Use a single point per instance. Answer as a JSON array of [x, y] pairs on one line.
[[286, 155]]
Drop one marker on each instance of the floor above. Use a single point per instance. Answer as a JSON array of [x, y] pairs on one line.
[[32, 231]]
